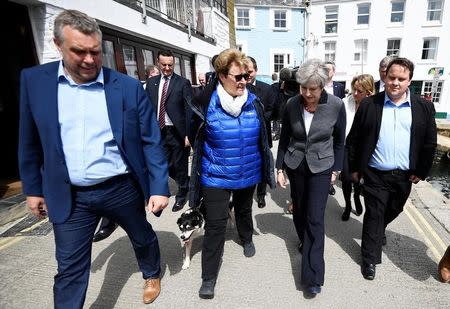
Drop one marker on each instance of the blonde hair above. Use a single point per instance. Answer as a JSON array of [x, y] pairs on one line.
[[228, 57], [366, 82]]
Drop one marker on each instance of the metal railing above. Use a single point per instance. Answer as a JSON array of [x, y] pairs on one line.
[[186, 14]]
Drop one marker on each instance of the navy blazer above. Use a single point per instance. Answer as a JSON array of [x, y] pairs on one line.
[[179, 96], [338, 90], [267, 97], [363, 136], [42, 164]]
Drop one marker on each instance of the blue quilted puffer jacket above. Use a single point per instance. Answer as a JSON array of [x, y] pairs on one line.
[[231, 150]]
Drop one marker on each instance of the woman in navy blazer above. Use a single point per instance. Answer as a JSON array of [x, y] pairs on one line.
[[310, 151]]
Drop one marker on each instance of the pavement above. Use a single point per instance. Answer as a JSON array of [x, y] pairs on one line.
[[271, 279]]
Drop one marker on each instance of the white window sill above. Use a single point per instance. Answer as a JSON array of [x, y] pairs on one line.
[[432, 24]]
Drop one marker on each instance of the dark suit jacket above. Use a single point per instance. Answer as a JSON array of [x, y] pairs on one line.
[[267, 97], [42, 164], [338, 90], [179, 94], [377, 86], [323, 146], [363, 136]]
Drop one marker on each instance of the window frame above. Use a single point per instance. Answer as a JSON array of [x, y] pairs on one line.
[[119, 39], [329, 51], [363, 51], [240, 18], [440, 10], [286, 53], [288, 14], [331, 21], [435, 96], [402, 12], [435, 49], [359, 14], [388, 49]]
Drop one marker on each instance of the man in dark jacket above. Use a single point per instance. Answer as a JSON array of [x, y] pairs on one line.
[[391, 145], [268, 98]]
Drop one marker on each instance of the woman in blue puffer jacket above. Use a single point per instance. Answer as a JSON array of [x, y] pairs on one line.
[[231, 156]]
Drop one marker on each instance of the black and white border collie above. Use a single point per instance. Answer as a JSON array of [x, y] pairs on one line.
[[190, 223]]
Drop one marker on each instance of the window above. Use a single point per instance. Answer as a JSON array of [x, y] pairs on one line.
[[433, 87], [221, 5], [243, 18], [280, 58], [434, 12], [363, 13], [108, 54], [393, 47], [330, 51], [397, 11], [429, 49], [331, 19], [360, 54], [148, 57], [278, 62], [129, 56], [177, 65], [187, 69], [279, 19]]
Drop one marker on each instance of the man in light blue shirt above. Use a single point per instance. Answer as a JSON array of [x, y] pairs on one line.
[[90, 146], [391, 145]]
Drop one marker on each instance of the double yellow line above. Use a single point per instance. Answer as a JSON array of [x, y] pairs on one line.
[[432, 239], [5, 242]]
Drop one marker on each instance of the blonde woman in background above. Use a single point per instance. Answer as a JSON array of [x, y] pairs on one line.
[[362, 86]]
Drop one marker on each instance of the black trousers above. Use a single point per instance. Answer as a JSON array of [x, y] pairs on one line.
[[385, 194], [309, 194], [216, 203], [177, 159]]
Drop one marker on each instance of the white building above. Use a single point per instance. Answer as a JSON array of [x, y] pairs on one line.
[[358, 34], [133, 33]]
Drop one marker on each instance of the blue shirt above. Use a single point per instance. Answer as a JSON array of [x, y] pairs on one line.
[[392, 149], [90, 151]]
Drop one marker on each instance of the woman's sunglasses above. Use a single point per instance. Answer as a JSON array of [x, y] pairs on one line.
[[239, 77]]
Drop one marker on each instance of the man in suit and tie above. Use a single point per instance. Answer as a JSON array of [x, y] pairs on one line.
[[171, 94], [382, 69], [336, 89], [333, 87], [198, 89], [89, 146], [211, 76], [391, 146], [268, 98]]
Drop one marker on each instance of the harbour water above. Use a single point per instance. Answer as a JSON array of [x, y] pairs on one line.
[[440, 173]]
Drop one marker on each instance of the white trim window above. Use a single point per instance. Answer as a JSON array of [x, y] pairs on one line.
[[393, 47], [434, 10], [331, 19], [360, 54], [429, 49], [397, 11], [280, 19], [280, 58], [363, 14], [436, 94], [329, 51], [245, 18]]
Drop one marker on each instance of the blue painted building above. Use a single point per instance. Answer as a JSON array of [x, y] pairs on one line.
[[272, 32]]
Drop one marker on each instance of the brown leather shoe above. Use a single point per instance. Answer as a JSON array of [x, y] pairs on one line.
[[152, 287], [444, 267]]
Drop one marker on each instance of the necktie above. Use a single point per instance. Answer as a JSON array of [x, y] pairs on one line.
[[162, 104]]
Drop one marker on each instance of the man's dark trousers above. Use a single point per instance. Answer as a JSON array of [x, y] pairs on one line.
[[177, 159], [119, 198], [385, 194]]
